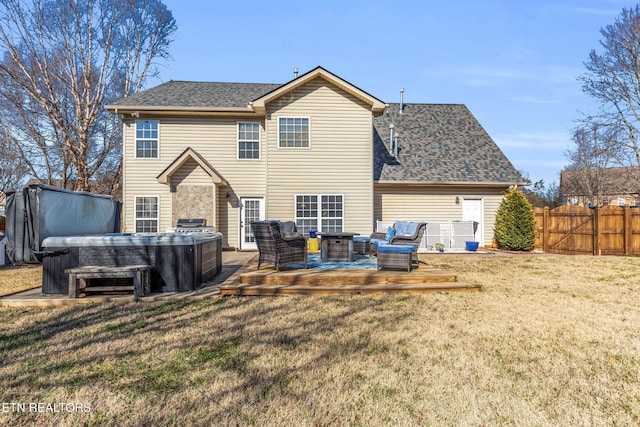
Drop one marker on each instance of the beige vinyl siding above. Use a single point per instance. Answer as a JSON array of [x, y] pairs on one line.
[[190, 173], [214, 139], [437, 204], [491, 205], [338, 161]]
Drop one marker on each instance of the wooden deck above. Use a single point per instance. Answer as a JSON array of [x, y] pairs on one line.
[[266, 281], [240, 276]]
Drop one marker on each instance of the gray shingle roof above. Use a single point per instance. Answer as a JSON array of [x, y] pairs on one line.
[[198, 94], [438, 144], [607, 181]]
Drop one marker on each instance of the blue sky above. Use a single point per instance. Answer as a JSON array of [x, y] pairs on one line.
[[513, 63]]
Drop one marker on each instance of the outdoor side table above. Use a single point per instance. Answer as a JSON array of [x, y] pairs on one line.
[[336, 247]]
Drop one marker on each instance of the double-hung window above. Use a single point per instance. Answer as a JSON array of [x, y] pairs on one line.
[[293, 132], [147, 139], [248, 140], [146, 217], [322, 212]]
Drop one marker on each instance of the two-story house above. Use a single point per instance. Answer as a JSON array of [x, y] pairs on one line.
[[600, 186], [317, 150]]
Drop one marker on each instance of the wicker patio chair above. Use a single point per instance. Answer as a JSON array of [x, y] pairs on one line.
[[276, 247], [413, 240]]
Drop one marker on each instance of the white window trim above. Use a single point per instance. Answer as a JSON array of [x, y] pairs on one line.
[[135, 141], [319, 217], [293, 117], [238, 141], [135, 212]]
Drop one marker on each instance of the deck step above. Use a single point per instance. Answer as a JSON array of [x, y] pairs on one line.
[[347, 277], [122, 288], [328, 290]]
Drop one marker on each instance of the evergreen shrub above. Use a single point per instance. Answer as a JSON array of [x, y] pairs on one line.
[[515, 227]]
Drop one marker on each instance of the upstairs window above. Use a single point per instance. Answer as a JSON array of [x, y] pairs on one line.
[[248, 140], [147, 139], [293, 132]]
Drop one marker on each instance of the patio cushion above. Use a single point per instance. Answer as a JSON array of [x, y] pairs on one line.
[[288, 229], [390, 233], [379, 242], [406, 228], [361, 239], [399, 249]]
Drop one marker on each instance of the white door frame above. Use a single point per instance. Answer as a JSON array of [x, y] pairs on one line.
[[242, 220], [479, 219]]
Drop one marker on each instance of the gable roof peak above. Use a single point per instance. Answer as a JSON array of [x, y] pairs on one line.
[[259, 104], [190, 154]]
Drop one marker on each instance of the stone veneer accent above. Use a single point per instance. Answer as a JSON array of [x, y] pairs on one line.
[[193, 201]]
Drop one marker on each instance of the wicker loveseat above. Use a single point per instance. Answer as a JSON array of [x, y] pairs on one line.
[[279, 244], [404, 233]]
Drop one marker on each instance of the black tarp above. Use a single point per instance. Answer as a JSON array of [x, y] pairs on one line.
[[39, 211]]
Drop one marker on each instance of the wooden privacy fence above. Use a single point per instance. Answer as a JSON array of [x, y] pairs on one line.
[[611, 230]]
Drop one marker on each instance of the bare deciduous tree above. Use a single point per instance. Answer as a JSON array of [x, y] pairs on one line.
[[12, 170], [64, 61], [596, 147], [613, 79]]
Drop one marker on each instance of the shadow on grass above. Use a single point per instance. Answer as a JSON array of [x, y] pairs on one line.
[[154, 350]]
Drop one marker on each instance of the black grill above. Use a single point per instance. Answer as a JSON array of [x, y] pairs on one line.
[[191, 223]]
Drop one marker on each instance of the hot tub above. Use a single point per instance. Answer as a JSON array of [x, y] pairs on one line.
[[182, 262]]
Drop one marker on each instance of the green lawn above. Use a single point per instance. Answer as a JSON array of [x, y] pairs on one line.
[[551, 340]]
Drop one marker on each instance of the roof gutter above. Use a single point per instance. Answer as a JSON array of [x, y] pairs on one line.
[[123, 109], [453, 183]]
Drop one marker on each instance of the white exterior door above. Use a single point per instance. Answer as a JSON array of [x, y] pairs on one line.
[[473, 210], [251, 209]]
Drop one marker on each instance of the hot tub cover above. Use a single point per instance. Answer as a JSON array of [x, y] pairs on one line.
[[141, 239], [39, 211]]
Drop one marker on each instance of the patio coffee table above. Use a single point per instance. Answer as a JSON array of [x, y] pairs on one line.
[[336, 247]]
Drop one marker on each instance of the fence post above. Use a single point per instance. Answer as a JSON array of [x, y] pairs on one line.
[[596, 231], [545, 230], [628, 232]]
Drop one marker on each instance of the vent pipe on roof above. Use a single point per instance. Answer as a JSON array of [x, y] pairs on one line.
[[295, 73], [391, 138], [395, 146], [401, 99]]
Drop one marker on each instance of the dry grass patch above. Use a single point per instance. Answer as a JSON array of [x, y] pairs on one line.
[[19, 278], [552, 340]]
